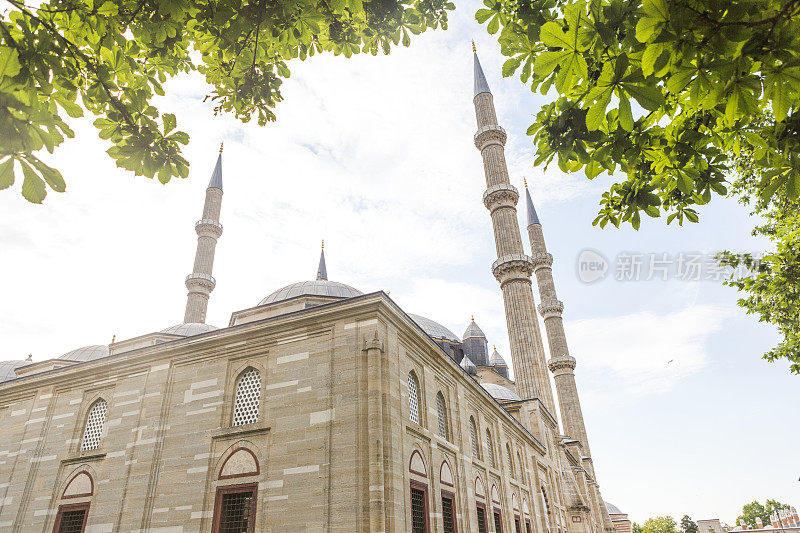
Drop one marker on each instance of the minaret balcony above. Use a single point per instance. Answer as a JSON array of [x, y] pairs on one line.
[[562, 364], [500, 195], [199, 282], [208, 228], [488, 135], [551, 308], [512, 267], [542, 259]]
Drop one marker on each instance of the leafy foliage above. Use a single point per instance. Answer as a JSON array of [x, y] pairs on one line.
[[660, 524], [111, 57], [754, 509], [661, 94], [636, 528], [688, 525]]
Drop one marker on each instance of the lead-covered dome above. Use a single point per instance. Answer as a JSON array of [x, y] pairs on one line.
[[189, 329], [500, 393], [434, 329], [7, 369], [613, 509], [86, 353], [320, 287]]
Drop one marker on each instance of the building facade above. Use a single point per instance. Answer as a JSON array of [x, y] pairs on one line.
[[320, 409]]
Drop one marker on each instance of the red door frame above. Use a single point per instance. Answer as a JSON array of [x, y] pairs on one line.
[[228, 489]]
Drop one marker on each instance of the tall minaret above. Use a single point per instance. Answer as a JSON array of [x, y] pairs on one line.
[[513, 268], [322, 272], [561, 363], [200, 282]]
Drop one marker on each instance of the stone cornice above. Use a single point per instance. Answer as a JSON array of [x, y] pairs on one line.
[[502, 195]]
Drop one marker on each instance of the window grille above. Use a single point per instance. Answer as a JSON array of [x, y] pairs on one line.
[[473, 437], [72, 521], [516, 525], [418, 518], [94, 425], [447, 514], [489, 451], [481, 520], [413, 398], [498, 523], [443, 429], [236, 513], [248, 398], [527, 526]]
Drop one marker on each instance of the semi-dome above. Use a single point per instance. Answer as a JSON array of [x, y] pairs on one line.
[[189, 329], [474, 331], [500, 393], [320, 287], [7, 369], [434, 329], [613, 509], [86, 353]]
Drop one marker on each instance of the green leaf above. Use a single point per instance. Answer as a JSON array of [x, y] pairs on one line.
[[546, 62], [656, 14], [649, 97], [108, 9], [597, 112], [511, 65], [625, 115], [33, 188], [9, 61], [52, 176], [7, 173], [551, 34], [169, 122], [493, 26], [482, 15]]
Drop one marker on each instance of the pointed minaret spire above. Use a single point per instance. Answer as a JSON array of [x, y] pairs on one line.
[[322, 272], [480, 80], [533, 218], [200, 282]]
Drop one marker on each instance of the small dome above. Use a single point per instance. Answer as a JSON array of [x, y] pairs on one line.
[[86, 353], [7, 369], [613, 509], [473, 331], [500, 393], [189, 329], [469, 366], [497, 359], [434, 329], [320, 287]]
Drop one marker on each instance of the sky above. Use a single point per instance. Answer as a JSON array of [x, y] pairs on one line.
[[375, 155]]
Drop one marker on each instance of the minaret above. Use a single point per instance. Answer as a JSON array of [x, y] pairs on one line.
[[322, 272], [200, 282], [561, 364], [513, 268]]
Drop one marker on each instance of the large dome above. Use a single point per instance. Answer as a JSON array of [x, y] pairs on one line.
[[613, 509], [189, 329], [320, 287], [7, 369], [86, 353], [500, 393], [434, 329]]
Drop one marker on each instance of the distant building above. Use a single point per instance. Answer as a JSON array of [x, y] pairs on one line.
[[622, 523]]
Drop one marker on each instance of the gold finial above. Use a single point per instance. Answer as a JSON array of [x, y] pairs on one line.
[[473, 318], [323, 244], [113, 338], [494, 347], [221, 145], [525, 181], [474, 50]]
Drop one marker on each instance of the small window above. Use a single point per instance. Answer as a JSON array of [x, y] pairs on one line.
[[94, 425], [419, 511], [71, 518], [448, 516], [473, 437], [510, 461], [527, 526], [481, 519], [248, 398], [516, 525], [498, 522], [489, 451], [442, 411], [235, 509], [413, 398]]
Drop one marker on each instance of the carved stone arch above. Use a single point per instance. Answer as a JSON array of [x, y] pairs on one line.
[[446, 474], [416, 463], [525, 509], [480, 488], [514, 502], [75, 490], [495, 495], [225, 469]]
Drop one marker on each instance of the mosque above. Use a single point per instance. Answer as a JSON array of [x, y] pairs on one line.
[[321, 408]]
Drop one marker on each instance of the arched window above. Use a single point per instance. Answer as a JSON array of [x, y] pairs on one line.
[[413, 398], [248, 397], [489, 450], [521, 467], [510, 460], [473, 437], [444, 427], [95, 422], [545, 509]]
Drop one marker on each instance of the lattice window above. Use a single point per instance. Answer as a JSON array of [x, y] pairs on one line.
[[498, 523], [447, 514], [413, 398], [473, 437], [510, 461], [443, 425], [236, 512], [248, 398], [419, 520], [94, 425], [516, 525], [489, 450], [72, 521], [481, 520]]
